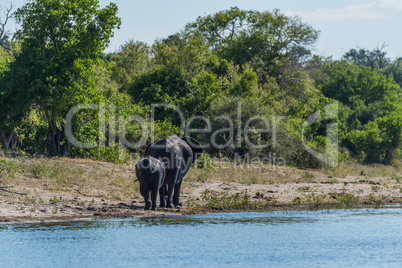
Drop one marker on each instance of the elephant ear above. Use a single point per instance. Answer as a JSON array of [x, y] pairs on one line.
[[195, 146], [146, 150]]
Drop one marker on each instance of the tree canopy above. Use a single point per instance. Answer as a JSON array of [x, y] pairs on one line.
[[60, 39], [258, 61]]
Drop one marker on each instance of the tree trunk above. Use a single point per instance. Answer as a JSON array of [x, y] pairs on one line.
[[53, 139], [389, 155], [67, 146], [56, 142], [8, 140]]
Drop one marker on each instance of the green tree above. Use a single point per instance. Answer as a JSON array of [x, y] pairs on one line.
[[252, 37], [375, 59], [369, 93], [371, 104], [60, 40], [226, 138], [10, 111], [379, 141], [177, 73], [395, 69], [186, 73], [273, 45], [131, 59]]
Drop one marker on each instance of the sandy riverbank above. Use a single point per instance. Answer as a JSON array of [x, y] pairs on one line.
[[45, 189]]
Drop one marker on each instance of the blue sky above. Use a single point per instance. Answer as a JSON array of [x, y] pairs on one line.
[[343, 24]]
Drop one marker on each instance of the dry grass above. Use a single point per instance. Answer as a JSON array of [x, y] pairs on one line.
[[353, 168], [261, 174], [78, 177], [116, 181], [267, 174]]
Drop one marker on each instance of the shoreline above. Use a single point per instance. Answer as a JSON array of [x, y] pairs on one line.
[[168, 213], [124, 211]]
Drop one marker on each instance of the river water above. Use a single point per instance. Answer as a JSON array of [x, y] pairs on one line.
[[338, 238]]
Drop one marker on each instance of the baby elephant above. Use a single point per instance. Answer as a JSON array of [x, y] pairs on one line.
[[151, 174]]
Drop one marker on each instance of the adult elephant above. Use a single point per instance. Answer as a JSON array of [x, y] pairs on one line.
[[177, 154]]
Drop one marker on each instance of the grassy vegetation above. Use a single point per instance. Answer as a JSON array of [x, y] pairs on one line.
[[304, 188], [354, 168], [76, 177], [225, 201], [243, 202]]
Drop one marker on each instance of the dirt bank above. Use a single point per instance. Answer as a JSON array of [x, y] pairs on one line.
[[44, 189]]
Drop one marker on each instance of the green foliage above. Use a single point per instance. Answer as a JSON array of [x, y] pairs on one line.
[[60, 40], [8, 168], [371, 142], [395, 69], [290, 147], [371, 123], [185, 73], [175, 69], [108, 154], [4, 60], [375, 188], [344, 200], [39, 170], [251, 36], [230, 201], [246, 84], [131, 59], [204, 161], [397, 178], [353, 86], [375, 59], [309, 177], [111, 150], [235, 60], [32, 133], [230, 116], [304, 188], [10, 112], [54, 200]]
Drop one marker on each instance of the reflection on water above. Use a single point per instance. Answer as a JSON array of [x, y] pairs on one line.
[[296, 238], [152, 221], [218, 219], [275, 217]]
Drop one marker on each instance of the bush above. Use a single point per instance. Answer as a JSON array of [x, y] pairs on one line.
[[32, 133], [108, 154], [226, 115], [8, 168], [204, 161]]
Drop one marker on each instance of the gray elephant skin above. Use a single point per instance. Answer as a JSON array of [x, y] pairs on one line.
[[177, 153], [151, 175]]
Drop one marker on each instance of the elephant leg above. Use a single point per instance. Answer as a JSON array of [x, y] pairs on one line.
[[147, 200], [170, 195], [176, 195], [154, 194], [171, 178], [145, 193], [155, 188], [148, 204], [162, 196]]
